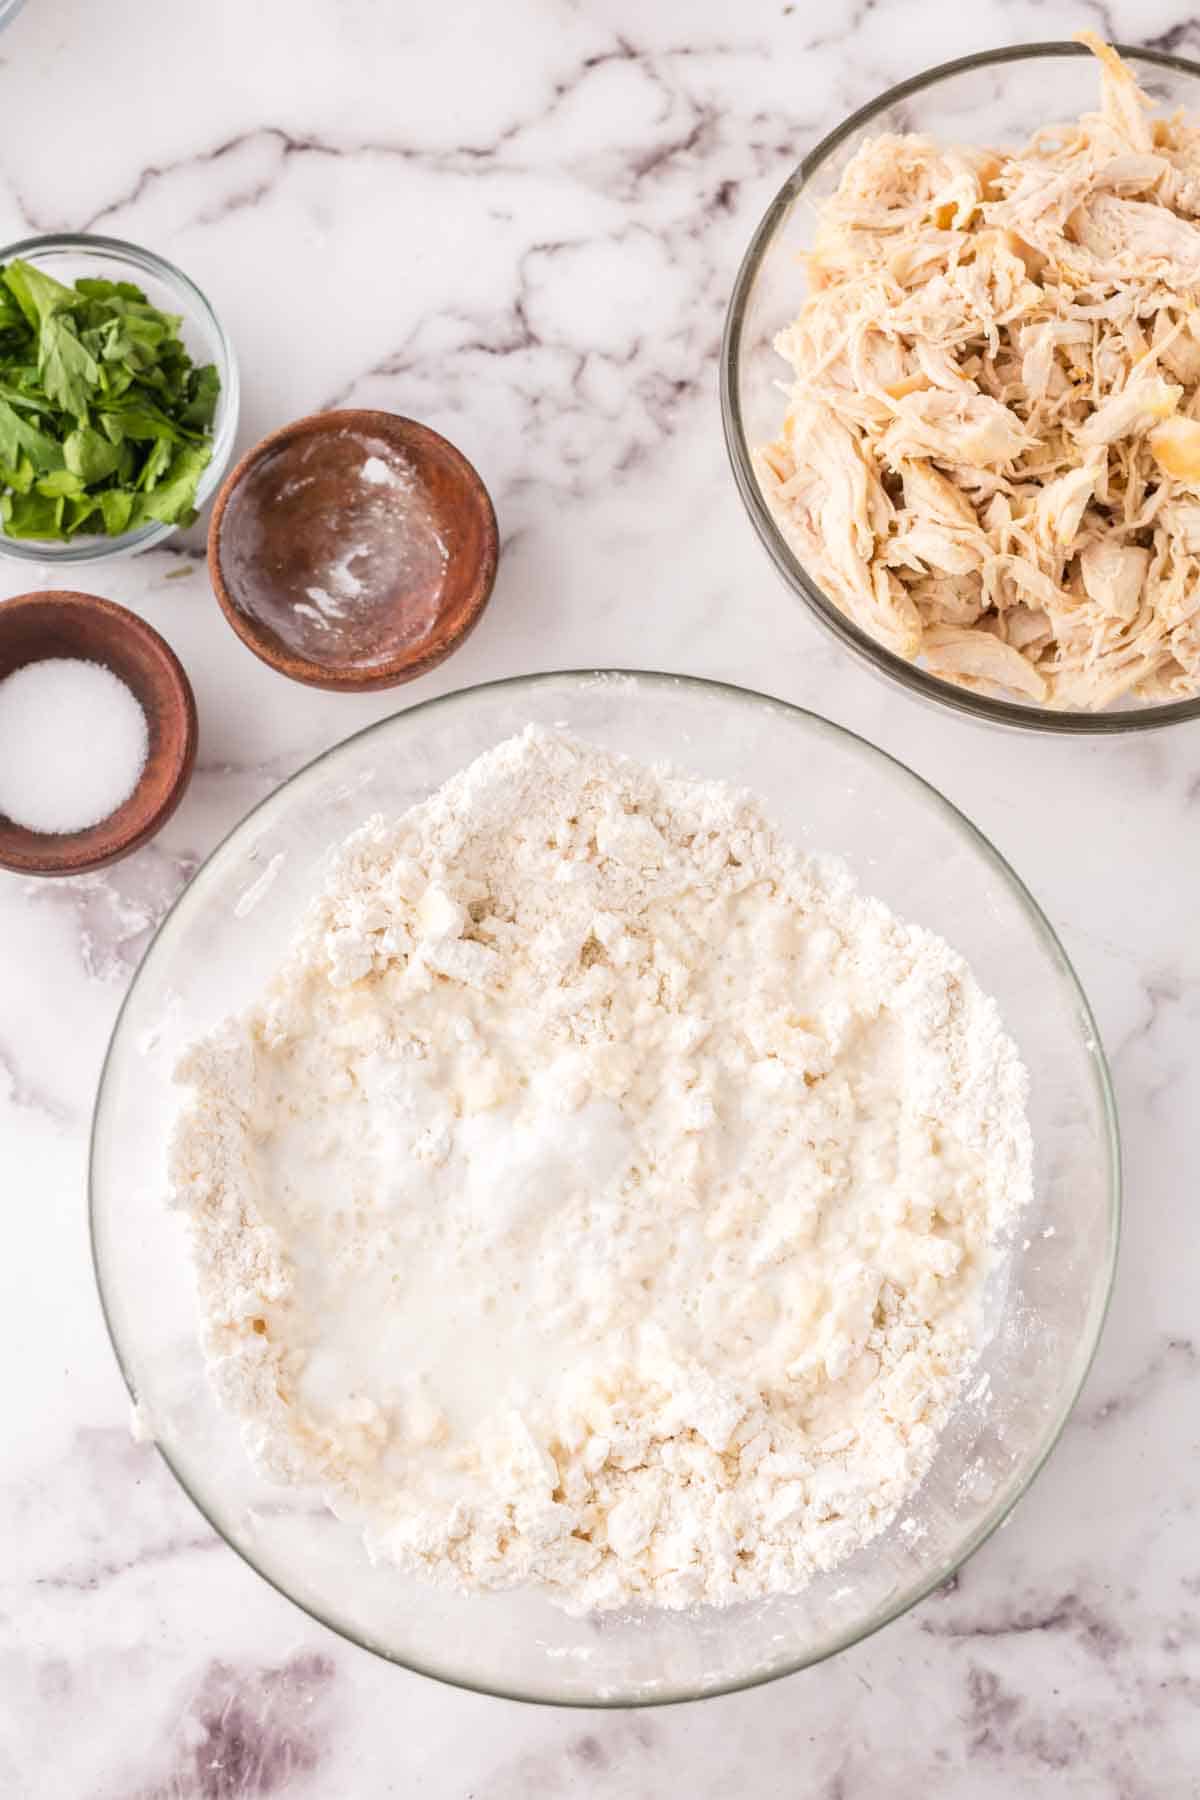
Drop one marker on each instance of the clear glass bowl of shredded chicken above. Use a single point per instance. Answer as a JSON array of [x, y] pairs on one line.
[[982, 470]]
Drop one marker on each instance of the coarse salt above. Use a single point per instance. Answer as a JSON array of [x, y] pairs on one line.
[[73, 744]]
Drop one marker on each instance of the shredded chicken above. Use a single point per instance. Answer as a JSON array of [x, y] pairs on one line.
[[991, 454]]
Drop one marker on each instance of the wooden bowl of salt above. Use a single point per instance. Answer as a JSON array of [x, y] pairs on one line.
[[97, 733], [353, 550]]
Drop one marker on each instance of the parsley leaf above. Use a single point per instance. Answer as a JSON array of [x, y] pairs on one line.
[[171, 501], [156, 463], [59, 481], [11, 316], [203, 388], [17, 435], [89, 455], [32, 516], [68, 369], [104, 422], [39, 296], [117, 506], [20, 477]]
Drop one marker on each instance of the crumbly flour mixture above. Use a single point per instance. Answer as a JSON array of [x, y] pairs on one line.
[[601, 1196]]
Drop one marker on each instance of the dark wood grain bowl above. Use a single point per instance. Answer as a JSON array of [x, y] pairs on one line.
[[281, 517], [73, 625]]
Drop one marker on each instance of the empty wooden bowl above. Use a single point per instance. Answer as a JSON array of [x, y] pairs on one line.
[[353, 550], [34, 627]]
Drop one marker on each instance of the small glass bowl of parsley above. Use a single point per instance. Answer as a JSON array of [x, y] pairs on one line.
[[118, 399]]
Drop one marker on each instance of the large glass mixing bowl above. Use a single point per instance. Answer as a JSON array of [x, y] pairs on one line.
[[831, 791], [1001, 97]]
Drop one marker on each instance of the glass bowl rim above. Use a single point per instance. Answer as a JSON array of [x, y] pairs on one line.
[[1099, 1299], [148, 262], [885, 662]]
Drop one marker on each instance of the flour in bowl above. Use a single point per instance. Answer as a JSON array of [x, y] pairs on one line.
[[602, 1194]]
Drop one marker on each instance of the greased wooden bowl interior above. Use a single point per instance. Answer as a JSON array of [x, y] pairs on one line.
[[281, 519]]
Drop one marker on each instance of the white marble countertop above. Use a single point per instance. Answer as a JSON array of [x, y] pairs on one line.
[[520, 223]]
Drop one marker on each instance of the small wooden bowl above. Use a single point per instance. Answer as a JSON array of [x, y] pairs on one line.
[[36, 626], [411, 554]]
